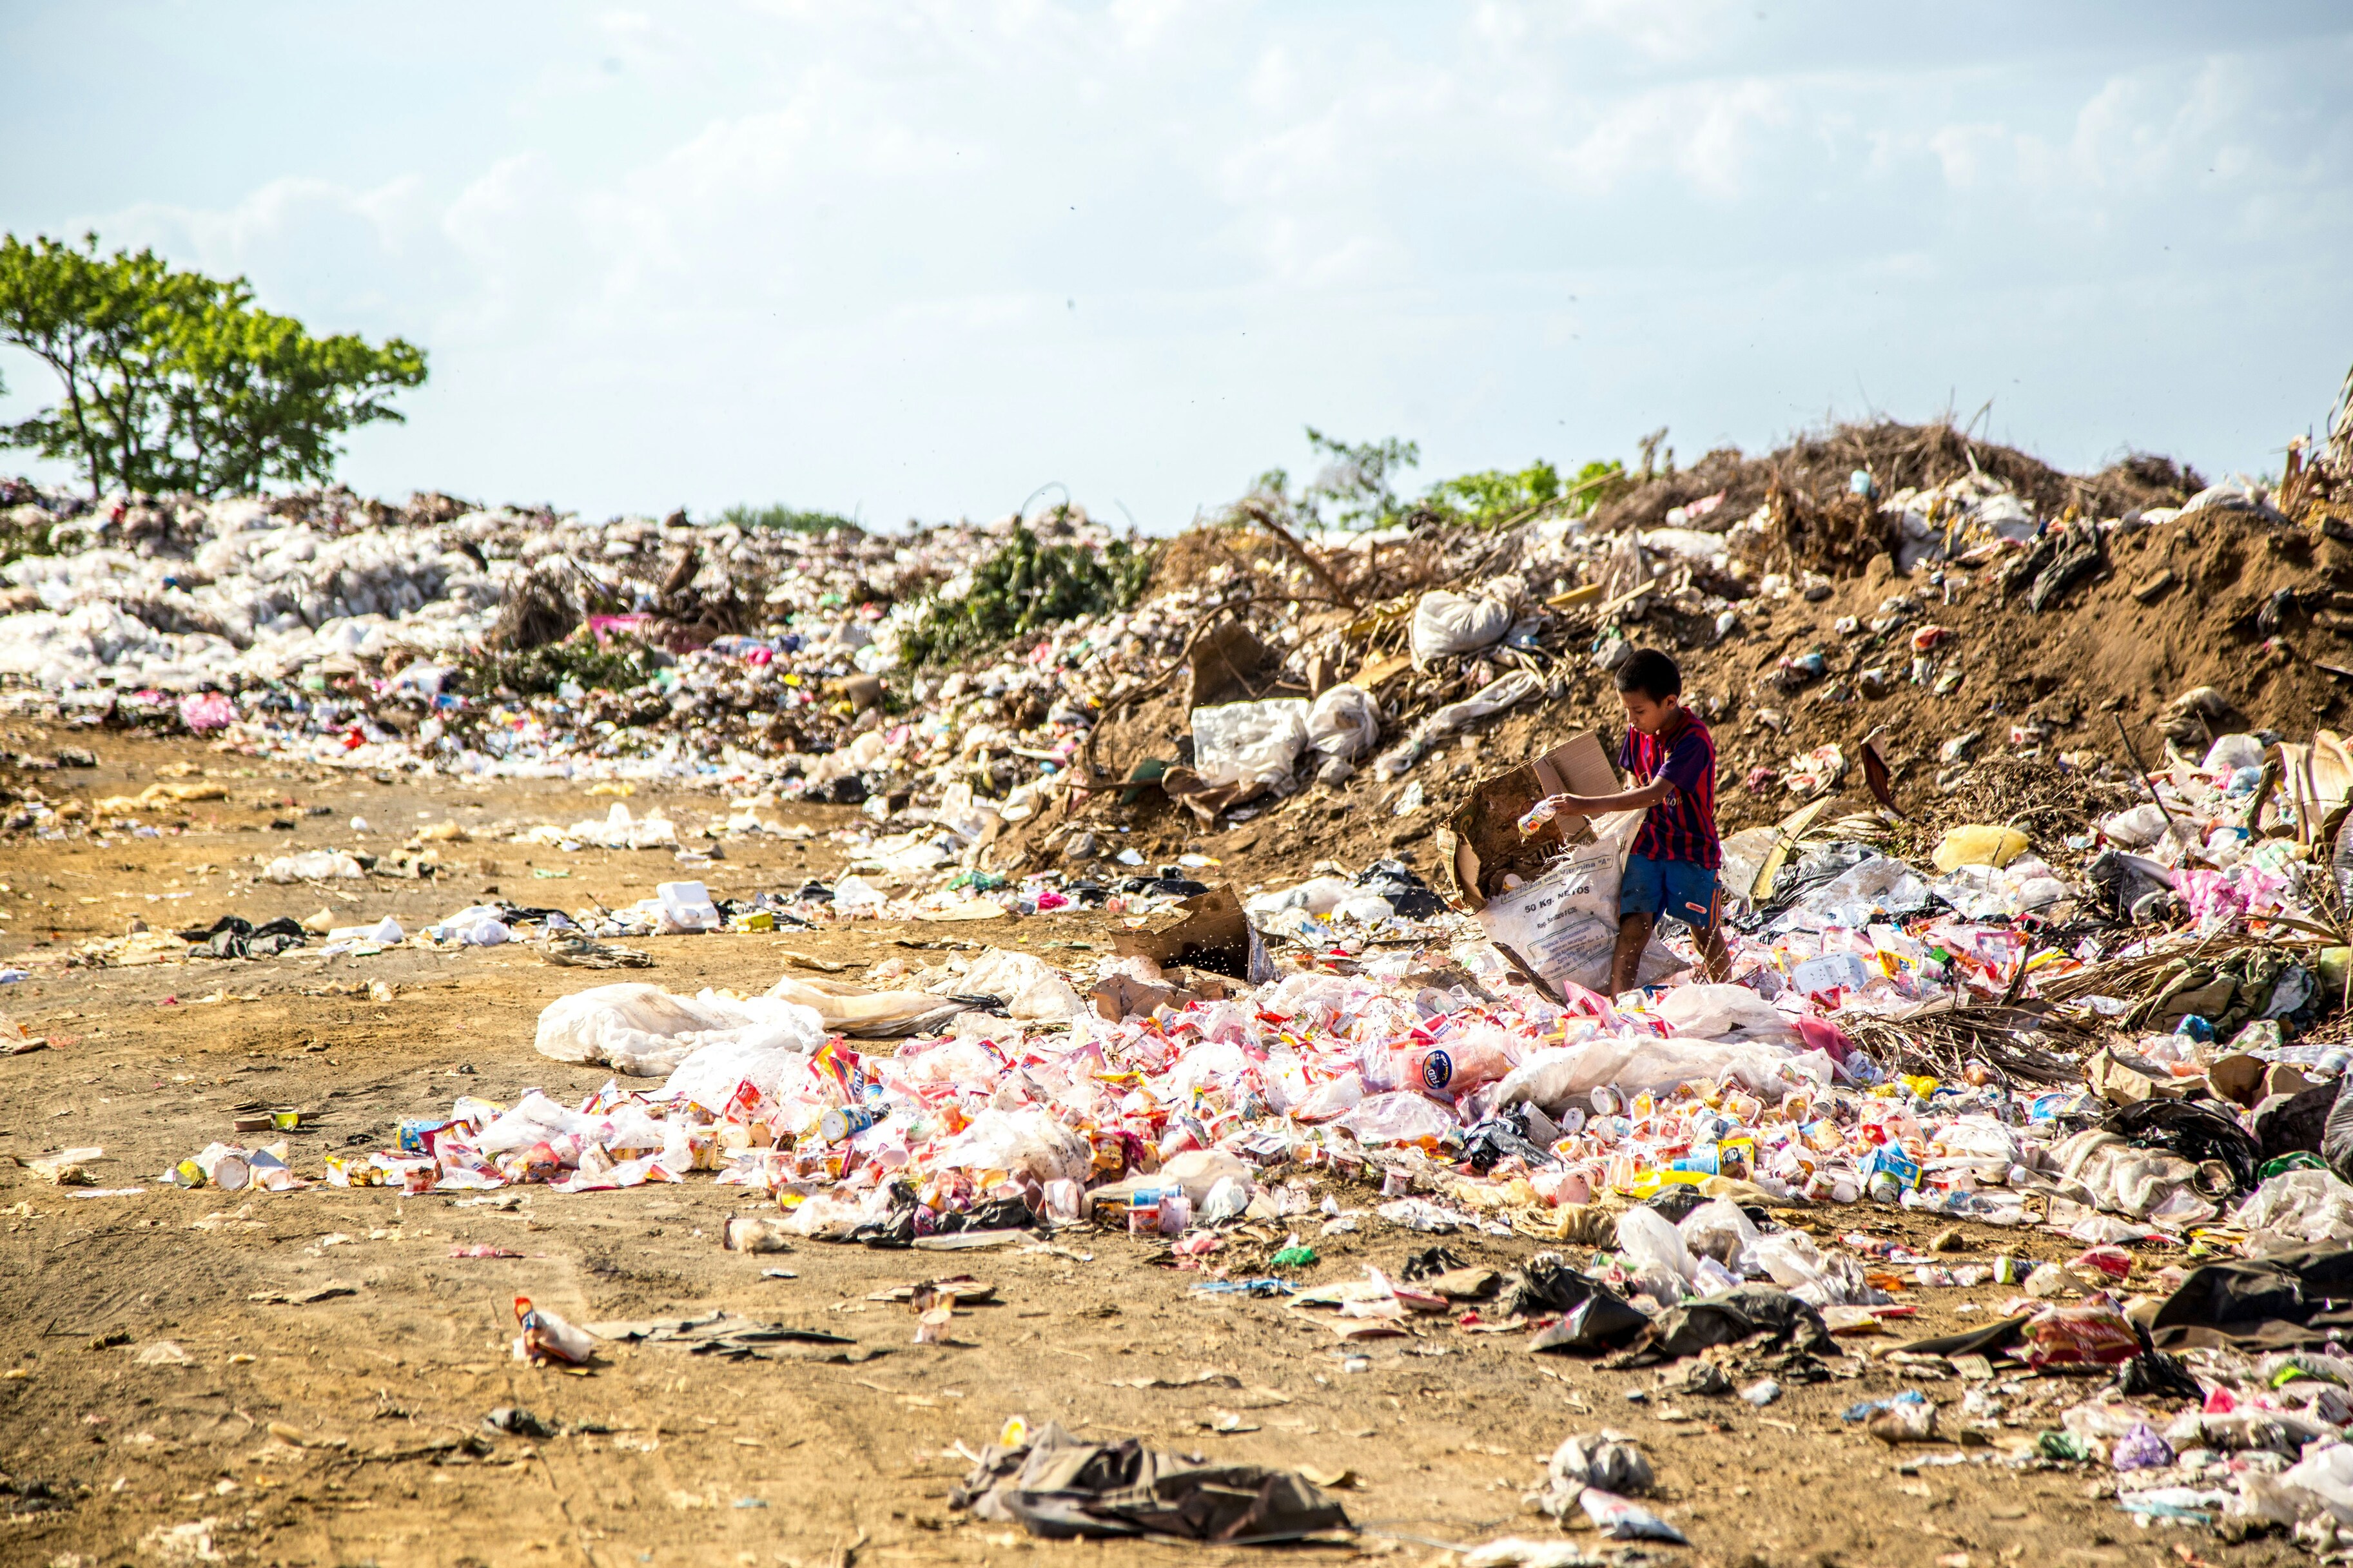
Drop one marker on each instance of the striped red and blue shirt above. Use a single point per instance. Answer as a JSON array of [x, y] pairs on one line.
[[1682, 825]]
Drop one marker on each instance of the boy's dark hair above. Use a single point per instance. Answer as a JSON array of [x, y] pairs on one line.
[[1652, 673]]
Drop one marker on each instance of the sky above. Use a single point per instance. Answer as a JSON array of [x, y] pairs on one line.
[[919, 259]]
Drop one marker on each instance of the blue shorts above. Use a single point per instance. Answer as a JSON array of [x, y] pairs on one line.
[[1670, 889]]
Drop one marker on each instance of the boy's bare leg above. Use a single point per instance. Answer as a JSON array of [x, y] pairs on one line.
[[1626, 959], [1715, 961]]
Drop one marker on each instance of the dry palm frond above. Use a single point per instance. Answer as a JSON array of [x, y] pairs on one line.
[[2025, 1041]]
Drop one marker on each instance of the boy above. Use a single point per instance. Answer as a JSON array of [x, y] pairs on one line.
[[1672, 868]]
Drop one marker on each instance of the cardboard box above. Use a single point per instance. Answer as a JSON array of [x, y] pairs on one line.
[[1487, 825], [1213, 934]]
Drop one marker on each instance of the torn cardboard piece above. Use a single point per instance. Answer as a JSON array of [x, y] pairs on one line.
[[1117, 997], [1213, 934], [1488, 843], [1230, 664]]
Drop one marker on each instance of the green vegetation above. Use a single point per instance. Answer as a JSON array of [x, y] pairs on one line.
[[1351, 489], [173, 381], [787, 518], [21, 540], [615, 665], [1355, 489], [1023, 586], [1497, 498]]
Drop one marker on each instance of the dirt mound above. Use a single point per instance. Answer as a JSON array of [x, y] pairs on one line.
[[2176, 606], [1817, 468], [2009, 714]]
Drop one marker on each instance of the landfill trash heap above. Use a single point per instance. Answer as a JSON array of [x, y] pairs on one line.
[[2121, 1022]]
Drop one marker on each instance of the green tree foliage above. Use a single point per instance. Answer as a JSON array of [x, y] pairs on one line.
[[1356, 488], [789, 520], [1497, 498], [1023, 586], [174, 380]]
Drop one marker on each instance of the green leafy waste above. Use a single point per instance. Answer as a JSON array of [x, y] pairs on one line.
[[1023, 586], [614, 666], [787, 520]]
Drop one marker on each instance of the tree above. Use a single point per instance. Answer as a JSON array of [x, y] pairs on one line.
[[173, 381]]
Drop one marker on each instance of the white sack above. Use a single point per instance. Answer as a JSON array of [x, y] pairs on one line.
[[643, 1030], [1343, 723], [1029, 987], [1254, 744], [1445, 622]]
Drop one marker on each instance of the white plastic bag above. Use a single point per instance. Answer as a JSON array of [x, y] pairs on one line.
[[1317, 896], [1790, 1258], [2296, 1208], [1726, 1013], [1655, 1253], [1400, 1117], [1552, 1077], [1718, 1229], [1027, 1141], [1493, 698], [533, 1118], [2228, 754], [1342, 726], [2136, 827], [1448, 622], [643, 1030], [1254, 745], [312, 865], [1029, 987], [1564, 925]]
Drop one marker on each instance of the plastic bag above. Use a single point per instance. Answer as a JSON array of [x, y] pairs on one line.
[[768, 1048], [1343, 723], [1977, 845], [1449, 623], [312, 865], [2299, 1208], [1718, 1229], [1726, 1013], [1027, 1141], [1557, 1075], [1317, 896], [865, 1014], [1330, 1098], [1029, 987], [2136, 827], [1650, 1241], [1400, 1117], [1254, 745], [2324, 1481], [534, 1118], [2228, 754], [643, 1030], [1564, 925], [1788, 1258], [1493, 698], [2080, 1336]]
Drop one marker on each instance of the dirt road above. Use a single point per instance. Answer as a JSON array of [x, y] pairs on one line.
[[303, 1378]]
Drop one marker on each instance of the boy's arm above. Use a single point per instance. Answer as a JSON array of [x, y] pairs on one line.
[[1644, 795]]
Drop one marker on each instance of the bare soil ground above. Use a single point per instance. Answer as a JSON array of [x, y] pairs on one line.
[[322, 1432]]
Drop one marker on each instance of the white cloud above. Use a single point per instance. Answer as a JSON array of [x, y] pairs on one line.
[[925, 256]]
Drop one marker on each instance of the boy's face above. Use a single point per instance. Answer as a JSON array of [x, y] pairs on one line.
[[1648, 713]]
